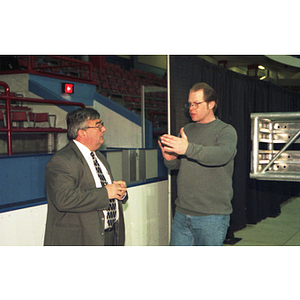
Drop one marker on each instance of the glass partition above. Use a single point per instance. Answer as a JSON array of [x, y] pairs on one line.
[[136, 165]]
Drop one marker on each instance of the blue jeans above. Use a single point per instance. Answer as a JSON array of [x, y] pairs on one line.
[[208, 230]]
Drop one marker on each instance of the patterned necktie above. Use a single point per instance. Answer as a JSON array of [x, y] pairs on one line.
[[112, 209]]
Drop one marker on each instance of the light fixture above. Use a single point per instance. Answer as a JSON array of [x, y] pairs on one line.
[[262, 78], [261, 67]]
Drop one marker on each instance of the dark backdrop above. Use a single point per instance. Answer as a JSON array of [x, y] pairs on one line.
[[239, 96]]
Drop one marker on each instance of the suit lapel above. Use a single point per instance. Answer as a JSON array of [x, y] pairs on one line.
[[85, 166]]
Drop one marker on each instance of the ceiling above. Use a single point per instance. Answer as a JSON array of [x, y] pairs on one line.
[[283, 70]]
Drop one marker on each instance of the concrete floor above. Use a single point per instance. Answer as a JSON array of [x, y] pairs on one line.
[[283, 230]]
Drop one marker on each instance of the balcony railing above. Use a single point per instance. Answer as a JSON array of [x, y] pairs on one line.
[[51, 65]]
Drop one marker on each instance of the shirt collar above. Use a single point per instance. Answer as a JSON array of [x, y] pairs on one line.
[[83, 149]]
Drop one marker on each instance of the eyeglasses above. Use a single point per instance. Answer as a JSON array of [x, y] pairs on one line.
[[98, 126], [194, 104]]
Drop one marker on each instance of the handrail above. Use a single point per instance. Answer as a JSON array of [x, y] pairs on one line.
[[8, 98], [89, 65]]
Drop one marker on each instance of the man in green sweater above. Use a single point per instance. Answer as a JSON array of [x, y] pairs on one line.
[[204, 154]]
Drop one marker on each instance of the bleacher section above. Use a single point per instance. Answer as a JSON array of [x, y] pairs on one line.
[[124, 87], [120, 85], [113, 82]]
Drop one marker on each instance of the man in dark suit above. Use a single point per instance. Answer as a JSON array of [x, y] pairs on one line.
[[78, 197]]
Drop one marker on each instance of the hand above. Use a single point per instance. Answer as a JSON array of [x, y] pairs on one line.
[[173, 144], [167, 155], [116, 190], [122, 188]]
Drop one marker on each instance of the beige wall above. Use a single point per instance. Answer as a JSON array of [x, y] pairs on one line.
[[159, 61]]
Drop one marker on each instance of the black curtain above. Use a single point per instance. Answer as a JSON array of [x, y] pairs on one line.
[[239, 96]]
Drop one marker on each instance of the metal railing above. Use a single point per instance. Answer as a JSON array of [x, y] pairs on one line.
[[54, 66], [272, 134]]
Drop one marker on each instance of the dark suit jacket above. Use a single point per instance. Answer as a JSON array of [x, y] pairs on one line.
[[75, 205]]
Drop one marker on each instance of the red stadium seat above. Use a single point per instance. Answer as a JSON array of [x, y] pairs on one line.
[[39, 118], [20, 116], [2, 118]]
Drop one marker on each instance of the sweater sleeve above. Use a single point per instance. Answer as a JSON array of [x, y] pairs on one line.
[[172, 164], [218, 154]]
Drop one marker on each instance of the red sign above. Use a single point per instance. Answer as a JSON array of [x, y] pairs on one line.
[[68, 88]]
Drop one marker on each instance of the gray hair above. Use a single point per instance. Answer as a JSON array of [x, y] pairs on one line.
[[77, 119]]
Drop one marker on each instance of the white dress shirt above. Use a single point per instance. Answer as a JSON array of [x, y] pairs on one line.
[[86, 152]]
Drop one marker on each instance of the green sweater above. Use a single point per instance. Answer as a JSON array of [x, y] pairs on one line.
[[204, 181]]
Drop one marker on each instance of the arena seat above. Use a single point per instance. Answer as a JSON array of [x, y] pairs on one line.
[[122, 89], [2, 119], [20, 116], [40, 118]]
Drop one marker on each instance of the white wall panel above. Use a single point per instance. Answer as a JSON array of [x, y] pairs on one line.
[[146, 215], [146, 219], [23, 227]]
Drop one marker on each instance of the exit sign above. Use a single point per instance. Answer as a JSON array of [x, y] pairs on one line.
[[68, 88]]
